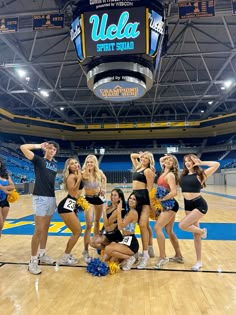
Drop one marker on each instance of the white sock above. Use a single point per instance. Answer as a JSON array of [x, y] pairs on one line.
[[33, 258], [42, 252], [145, 253], [66, 255]]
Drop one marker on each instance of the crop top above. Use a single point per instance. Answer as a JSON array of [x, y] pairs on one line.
[[161, 182], [139, 176], [91, 185], [130, 227], [190, 183]]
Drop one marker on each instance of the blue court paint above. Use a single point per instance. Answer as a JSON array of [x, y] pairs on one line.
[[25, 226]]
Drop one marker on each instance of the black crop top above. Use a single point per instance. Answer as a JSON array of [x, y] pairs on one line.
[[190, 183], [81, 185], [139, 176]]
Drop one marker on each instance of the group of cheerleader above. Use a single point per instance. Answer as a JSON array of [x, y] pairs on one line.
[[152, 196]]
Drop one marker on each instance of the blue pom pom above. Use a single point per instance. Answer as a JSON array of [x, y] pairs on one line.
[[3, 195], [97, 267], [161, 193]]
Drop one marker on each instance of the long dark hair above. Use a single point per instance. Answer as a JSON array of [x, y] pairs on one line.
[[121, 196], [3, 170], [197, 169]]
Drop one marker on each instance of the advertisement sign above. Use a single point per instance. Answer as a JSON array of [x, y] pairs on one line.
[[115, 32], [76, 37], [8, 25], [191, 9], [48, 21], [119, 89]]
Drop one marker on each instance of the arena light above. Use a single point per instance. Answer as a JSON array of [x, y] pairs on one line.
[[210, 102], [44, 93], [228, 83], [21, 73]]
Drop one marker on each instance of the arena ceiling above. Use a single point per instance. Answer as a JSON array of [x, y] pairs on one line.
[[189, 84]]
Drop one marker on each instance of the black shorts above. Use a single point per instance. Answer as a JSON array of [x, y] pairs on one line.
[[175, 208], [94, 200], [142, 197], [198, 203], [67, 205], [130, 241], [4, 203], [114, 236]]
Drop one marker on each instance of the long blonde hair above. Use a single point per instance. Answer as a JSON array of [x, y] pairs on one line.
[[97, 171], [151, 160], [66, 172], [174, 169]]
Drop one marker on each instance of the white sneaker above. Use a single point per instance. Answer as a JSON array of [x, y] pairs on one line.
[[143, 262], [129, 263], [151, 251], [197, 266], [86, 256], [68, 261], [45, 259], [161, 263], [33, 267]]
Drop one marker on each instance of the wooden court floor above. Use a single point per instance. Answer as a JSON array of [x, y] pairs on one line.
[[173, 290]]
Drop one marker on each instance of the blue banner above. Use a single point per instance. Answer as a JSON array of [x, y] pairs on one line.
[[234, 6], [48, 21], [8, 25], [191, 9]]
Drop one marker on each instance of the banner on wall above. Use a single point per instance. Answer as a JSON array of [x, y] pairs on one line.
[[234, 6], [76, 36], [48, 21], [198, 8], [8, 25]]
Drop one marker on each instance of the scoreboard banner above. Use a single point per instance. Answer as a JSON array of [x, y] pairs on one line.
[[48, 21], [198, 8], [113, 32], [8, 25], [76, 34]]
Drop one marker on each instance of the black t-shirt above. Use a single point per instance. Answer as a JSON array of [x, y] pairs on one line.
[[45, 175]]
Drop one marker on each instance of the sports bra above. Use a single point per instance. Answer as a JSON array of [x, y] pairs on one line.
[[161, 182], [4, 182], [190, 183], [91, 185], [139, 176], [130, 227]]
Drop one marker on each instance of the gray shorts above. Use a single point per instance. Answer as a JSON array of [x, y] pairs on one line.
[[43, 206]]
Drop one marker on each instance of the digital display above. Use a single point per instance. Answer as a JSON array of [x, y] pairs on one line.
[[8, 25], [48, 21], [191, 9], [156, 25], [76, 37], [115, 32]]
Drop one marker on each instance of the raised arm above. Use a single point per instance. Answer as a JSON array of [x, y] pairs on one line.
[[135, 159], [28, 147], [212, 166], [131, 216]]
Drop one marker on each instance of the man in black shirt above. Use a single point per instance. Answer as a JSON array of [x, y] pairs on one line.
[[44, 201]]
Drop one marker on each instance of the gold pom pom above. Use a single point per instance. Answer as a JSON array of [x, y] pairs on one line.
[[13, 196], [156, 206], [83, 203], [114, 267]]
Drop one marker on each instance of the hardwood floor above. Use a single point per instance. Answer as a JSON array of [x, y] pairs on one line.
[[173, 290]]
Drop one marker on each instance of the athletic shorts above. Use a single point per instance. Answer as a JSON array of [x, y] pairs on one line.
[[198, 203], [95, 200], [113, 236], [43, 205], [175, 208], [142, 197], [4, 203], [130, 241], [67, 205]]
